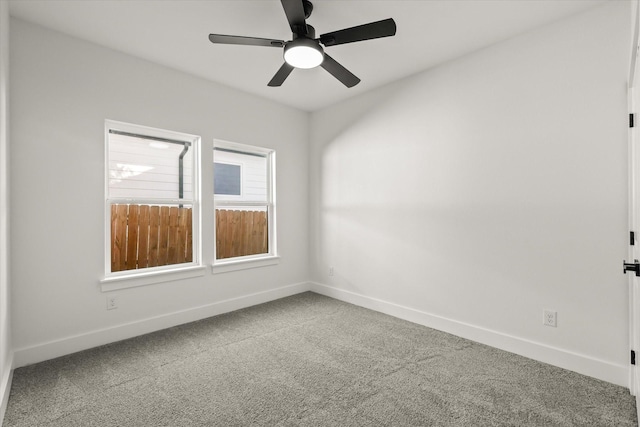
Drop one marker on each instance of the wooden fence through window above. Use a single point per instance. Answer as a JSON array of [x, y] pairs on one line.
[[241, 233], [148, 236]]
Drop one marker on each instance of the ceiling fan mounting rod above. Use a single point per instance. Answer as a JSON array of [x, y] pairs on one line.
[[303, 29], [310, 33]]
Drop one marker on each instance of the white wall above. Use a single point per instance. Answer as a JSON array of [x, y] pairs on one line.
[[474, 195], [6, 353], [62, 91]]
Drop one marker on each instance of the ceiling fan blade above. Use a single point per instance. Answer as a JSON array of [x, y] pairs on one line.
[[281, 75], [248, 41], [339, 72], [294, 10], [372, 30]]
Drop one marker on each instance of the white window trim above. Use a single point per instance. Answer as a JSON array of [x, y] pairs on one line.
[[146, 276], [252, 261], [244, 263]]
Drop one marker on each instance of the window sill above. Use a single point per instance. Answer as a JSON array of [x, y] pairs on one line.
[[243, 264], [149, 278]]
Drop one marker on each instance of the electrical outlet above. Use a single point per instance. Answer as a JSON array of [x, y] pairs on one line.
[[550, 318], [330, 271], [112, 302]]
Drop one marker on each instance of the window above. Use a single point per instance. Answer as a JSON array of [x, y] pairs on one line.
[[244, 202], [151, 202], [227, 179]]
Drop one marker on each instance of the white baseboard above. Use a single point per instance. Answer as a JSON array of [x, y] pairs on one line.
[[5, 390], [583, 364], [61, 347]]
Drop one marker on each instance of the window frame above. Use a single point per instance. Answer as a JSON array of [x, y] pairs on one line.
[[257, 260], [157, 274]]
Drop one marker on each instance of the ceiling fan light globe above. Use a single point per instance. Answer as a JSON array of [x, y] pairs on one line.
[[303, 53]]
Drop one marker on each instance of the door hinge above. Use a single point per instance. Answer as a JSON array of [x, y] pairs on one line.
[[632, 238], [631, 120], [633, 357]]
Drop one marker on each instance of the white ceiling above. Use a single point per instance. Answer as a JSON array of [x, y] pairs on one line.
[[175, 33]]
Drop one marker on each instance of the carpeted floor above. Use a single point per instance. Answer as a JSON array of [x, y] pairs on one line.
[[307, 360]]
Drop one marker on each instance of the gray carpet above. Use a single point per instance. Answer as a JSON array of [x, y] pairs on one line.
[[307, 360]]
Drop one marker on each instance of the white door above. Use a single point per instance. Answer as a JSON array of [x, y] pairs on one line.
[[634, 202], [633, 253]]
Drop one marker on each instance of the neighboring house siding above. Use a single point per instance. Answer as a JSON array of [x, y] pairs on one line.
[[147, 169]]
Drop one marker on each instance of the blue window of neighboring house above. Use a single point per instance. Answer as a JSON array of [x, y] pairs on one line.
[[226, 179]]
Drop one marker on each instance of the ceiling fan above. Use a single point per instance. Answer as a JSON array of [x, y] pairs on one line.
[[305, 50]]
